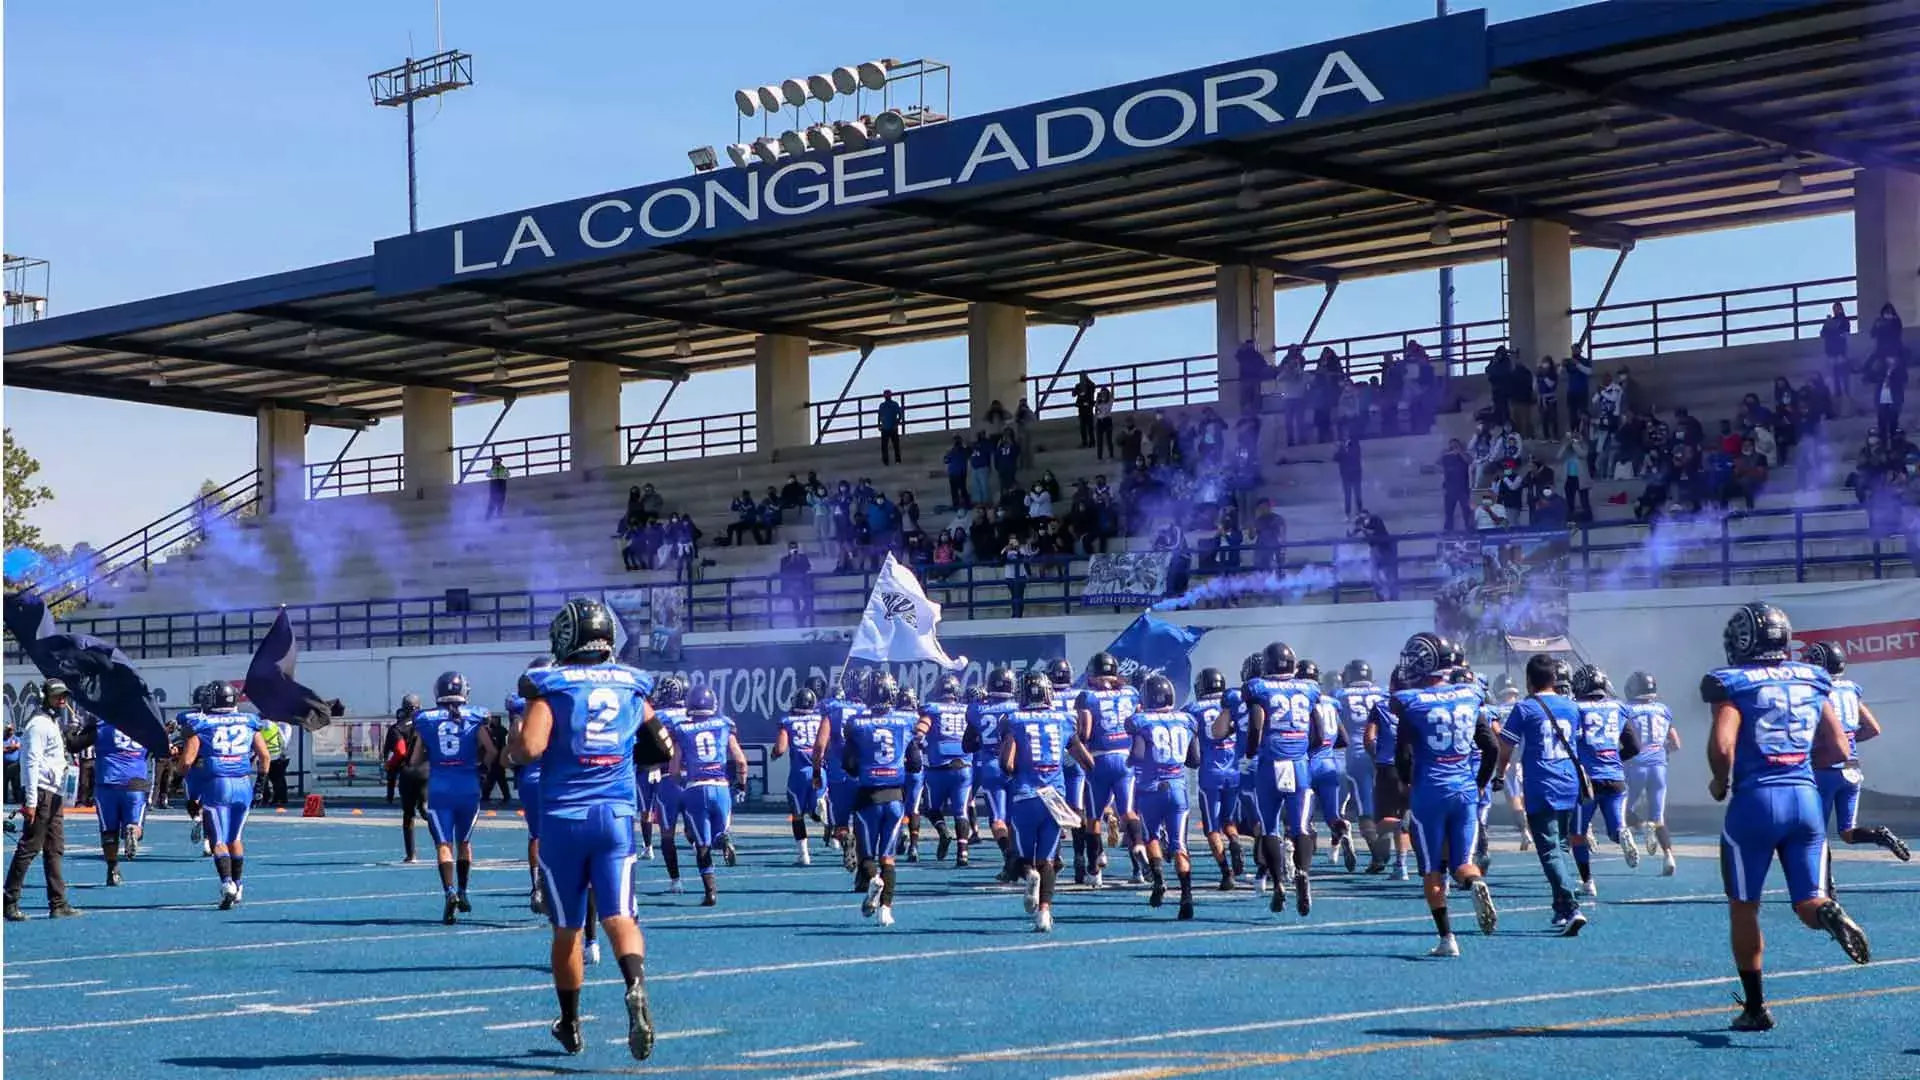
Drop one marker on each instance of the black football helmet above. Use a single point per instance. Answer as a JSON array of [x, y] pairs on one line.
[[1562, 676], [1757, 632], [1427, 654], [1503, 685], [203, 696], [1277, 661], [1640, 684], [1001, 682], [701, 701], [220, 694], [1036, 690], [669, 693], [1306, 669], [1462, 677], [907, 699], [947, 689], [977, 694], [582, 630], [803, 701], [882, 689], [1157, 692], [1830, 655], [1209, 683], [817, 684], [1250, 668], [1397, 680], [409, 704], [1102, 666], [451, 688], [1356, 672], [1060, 673]]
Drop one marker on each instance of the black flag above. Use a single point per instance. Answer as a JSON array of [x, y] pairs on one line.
[[100, 677], [274, 691]]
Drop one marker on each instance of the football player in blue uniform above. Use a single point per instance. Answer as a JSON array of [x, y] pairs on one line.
[[1605, 743], [829, 760], [119, 790], [668, 702], [234, 753], [1281, 707], [1464, 676], [799, 730], [193, 780], [1538, 731], [1389, 790], [1355, 701], [1840, 783], [1325, 762], [1505, 695], [1440, 726], [942, 729], [457, 750], [1234, 704], [1101, 711], [1653, 730], [907, 702], [1036, 739], [1773, 723], [879, 757], [588, 723], [707, 761], [986, 720], [1219, 771], [1165, 746], [527, 780], [1088, 852]]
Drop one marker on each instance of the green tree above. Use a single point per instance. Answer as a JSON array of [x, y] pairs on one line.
[[22, 495]]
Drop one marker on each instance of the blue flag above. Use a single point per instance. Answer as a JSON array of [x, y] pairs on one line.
[[100, 677], [271, 685], [1151, 644]]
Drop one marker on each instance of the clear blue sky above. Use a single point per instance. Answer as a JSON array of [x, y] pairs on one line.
[[159, 147]]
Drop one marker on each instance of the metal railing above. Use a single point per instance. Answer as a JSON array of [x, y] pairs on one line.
[[1765, 545], [73, 578], [357, 476], [924, 409], [693, 437], [1364, 355], [1143, 387], [531, 456], [1714, 320]]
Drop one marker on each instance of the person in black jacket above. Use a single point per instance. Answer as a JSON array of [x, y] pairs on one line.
[[392, 754], [1348, 458]]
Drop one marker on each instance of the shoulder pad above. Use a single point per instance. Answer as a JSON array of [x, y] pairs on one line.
[[526, 689], [1712, 689]]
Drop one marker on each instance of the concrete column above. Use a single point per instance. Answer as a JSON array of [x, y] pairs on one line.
[[593, 415], [996, 357], [782, 386], [280, 453], [426, 437], [1886, 243], [1242, 311], [1539, 290]]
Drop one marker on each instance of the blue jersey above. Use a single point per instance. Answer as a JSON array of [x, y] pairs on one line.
[[702, 742], [597, 709], [1327, 730], [453, 746], [1846, 702], [1356, 703], [946, 732], [1652, 722], [1040, 738], [1438, 723], [1161, 739], [839, 712], [1289, 704], [1779, 715], [879, 745], [1110, 710], [989, 720], [122, 761], [1601, 720], [226, 741], [1542, 728], [1386, 731], [516, 711], [803, 732], [1219, 758]]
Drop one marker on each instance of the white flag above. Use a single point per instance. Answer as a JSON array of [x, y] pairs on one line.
[[900, 623]]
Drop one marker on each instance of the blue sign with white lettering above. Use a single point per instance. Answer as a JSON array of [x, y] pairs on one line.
[[1390, 68]]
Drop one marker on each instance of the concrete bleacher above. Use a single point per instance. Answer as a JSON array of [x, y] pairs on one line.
[[556, 531]]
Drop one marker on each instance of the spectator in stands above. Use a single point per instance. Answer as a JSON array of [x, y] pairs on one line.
[[683, 546], [1292, 380], [1816, 404], [1383, 553], [1686, 428], [746, 518], [1393, 390], [1017, 555], [1252, 367], [1905, 455], [634, 514], [794, 495], [948, 550], [497, 488], [1454, 485], [1350, 413], [1490, 514], [980, 468], [1487, 450], [1761, 436], [1084, 393], [983, 536], [1132, 442], [1653, 497], [1103, 423], [1520, 390], [1023, 418], [1006, 461], [1717, 476], [1577, 373], [1539, 476], [1347, 457], [1887, 331], [1689, 477], [1574, 463], [1749, 472], [956, 461], [1833, 338], [796, 583], [821, 503], [1511, 490], [997, 415], [1786, 420], [1605, 429], [1887, 378], [909, 508], [1872, 466], [1728, 440], [1546, 392], [630, 549], [1269, 537], [651, 504], [1500, 384], [1426, 389], [1039, 503], [1323, 393], [891, 418], [1549, 510]]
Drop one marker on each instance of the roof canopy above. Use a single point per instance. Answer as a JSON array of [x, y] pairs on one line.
[[1621, 120]]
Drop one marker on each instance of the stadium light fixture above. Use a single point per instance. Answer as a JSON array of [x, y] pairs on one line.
[[794, 92], [1442, 232], [872, 74], [1248, 198], [1790, 183], [501, 373], [312, 348], [703, 159], [766, 149], [331, 399], [714, 285], [821, 87], [890, 125], [820, 137], [413, 81], [747, 101], [854, 134], [792, 143], [898, 316], [498, 323], [683, 344], [156, 374], [769, 98], [741, 154]]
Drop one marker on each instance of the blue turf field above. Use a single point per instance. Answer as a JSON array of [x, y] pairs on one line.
[[337, 966]]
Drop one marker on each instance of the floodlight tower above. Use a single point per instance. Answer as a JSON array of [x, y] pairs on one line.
[[417, 80], [908, 94], [27, 284]]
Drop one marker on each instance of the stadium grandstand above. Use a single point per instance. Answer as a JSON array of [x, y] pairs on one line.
[[1430, 144]]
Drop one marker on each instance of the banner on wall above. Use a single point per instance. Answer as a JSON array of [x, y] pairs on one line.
[[1498, 584], [632, 618], [1125, 579]]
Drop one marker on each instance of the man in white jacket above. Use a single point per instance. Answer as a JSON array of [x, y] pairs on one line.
[[43, 775]]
